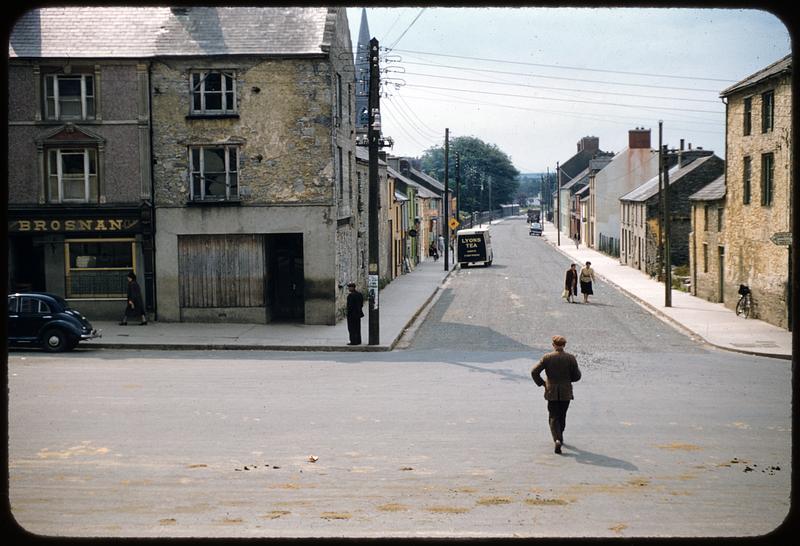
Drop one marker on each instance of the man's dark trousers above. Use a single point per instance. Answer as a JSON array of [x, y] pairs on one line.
[[558, 418], [354, 329]]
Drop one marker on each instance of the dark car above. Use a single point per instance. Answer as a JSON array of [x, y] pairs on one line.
[[38, 318], [536, 229]]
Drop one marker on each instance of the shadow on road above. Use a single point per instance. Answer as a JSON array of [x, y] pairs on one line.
[[595, 459]]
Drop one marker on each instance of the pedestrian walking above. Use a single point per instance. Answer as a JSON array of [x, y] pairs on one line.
[[355, 304], [561, 369], [577, 240], [570, 284], [586, 280], [134, 305]]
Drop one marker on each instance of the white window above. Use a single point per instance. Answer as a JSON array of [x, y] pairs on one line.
[[214, 173], [213, 92], [72, 175], [69, 96]]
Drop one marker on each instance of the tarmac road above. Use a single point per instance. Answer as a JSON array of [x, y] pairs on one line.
[[446, 438]]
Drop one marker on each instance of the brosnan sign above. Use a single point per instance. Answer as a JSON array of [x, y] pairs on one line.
[[94, 224]]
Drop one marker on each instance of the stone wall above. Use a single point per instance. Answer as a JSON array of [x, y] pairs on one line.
[[704, 267], [751, 258]]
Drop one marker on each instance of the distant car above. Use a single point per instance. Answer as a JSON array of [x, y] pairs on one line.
[[536, 229], [39, 318]]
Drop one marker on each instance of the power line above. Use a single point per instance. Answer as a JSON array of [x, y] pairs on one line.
[[531, 75], [401, 126], [408, 28], [561, 100], [566, 67], [563, 89], [411, 124], [594, 117], [413, 113]]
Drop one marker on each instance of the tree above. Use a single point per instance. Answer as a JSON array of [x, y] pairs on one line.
[[481, 164]]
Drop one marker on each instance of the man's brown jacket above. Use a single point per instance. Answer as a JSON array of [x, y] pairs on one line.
[[562, 370]]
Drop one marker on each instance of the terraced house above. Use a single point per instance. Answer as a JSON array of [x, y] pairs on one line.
[[758, 211], [244, 149], [80, 212]]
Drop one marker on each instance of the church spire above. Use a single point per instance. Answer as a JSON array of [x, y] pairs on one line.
[[362, 74]]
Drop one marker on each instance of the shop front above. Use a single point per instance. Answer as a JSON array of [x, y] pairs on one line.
[[82, 255]]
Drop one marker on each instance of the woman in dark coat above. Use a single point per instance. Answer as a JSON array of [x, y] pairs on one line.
[[134, 306], [571, 283]]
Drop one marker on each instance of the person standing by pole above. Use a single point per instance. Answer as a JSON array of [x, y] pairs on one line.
[[561, 369], [355, 304]]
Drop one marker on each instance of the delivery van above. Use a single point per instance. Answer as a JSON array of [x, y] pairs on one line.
[[474, 246]]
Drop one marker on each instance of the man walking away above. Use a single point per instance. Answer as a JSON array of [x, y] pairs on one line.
[[562, 370], [355, 302], [571, 283]]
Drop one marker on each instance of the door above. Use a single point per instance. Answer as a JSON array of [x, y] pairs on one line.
[[288, 277], [27, 268], [721, 273]]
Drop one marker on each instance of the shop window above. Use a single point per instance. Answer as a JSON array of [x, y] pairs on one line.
[[214, 172], [69, 96], [213, 92], [98, 268], [72, 175]]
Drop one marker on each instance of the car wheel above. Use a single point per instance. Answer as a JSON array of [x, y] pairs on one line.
[[54, 341]]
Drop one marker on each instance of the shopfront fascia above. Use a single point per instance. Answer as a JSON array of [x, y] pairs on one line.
[[83, 255]]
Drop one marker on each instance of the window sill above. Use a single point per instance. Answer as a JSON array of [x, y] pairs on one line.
[[213, 202], [213, 116]]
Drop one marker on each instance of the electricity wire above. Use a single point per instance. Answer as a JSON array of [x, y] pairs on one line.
[[607, 71], [408, 28]]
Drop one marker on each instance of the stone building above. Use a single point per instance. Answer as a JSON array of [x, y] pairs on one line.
[[640, 210], [80, 213], [254, 160], [707, 241], [758, 190]]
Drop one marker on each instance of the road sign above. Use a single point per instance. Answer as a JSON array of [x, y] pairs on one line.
[[453, 223], [782, 238]]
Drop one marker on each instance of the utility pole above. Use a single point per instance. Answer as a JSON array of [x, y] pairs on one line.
[[374, 136], [661, 163], [458, 187], [549, 197], [667, 254], [491, 213], [558, 203], [445, 223]]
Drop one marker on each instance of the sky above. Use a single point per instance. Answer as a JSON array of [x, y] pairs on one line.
[[534, 81]]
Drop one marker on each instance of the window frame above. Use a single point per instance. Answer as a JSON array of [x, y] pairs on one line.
[[747, 122], [227, 77], [747, 179], [68, 269], [88, 96], [90, 179], [201, 172], [767, 179], [767, 111]]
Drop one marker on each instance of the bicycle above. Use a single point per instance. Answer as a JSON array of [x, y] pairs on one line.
[[745, 304]]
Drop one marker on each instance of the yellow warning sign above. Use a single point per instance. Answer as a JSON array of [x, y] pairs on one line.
[[453, 223]]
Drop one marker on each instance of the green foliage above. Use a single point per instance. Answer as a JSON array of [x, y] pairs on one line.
[[480, 163]]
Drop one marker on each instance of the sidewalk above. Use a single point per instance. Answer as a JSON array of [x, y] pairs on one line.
[[400, 303], [713, 323]]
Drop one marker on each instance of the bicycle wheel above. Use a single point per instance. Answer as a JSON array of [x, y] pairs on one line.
[[743, 307]]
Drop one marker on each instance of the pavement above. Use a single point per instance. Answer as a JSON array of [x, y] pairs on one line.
[[710, 322], [407, 296]]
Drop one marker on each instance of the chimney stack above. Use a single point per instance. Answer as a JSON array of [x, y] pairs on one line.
[[639, 138]]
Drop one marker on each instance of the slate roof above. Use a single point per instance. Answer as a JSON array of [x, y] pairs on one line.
[[650, 188], [710, 192], [142, 32], [775, 69], [422, 191]]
